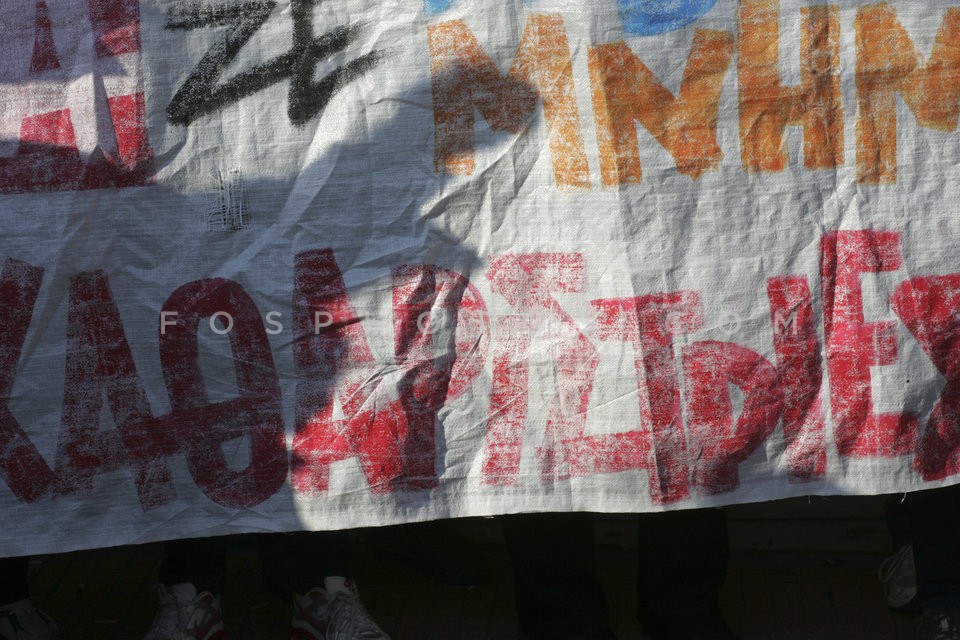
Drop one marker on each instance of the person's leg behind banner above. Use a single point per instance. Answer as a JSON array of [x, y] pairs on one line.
[[682, 564], [315, 569], [19, 619], [191, 580], [436, 549], [558, 595], [898, 571], [934, 517]]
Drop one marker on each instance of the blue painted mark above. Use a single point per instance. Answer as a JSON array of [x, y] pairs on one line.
[[436, 6], [431, 7], [650, 17]]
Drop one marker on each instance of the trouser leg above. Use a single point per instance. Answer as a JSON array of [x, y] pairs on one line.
[[557, 590], [298, 562], [13, 585], [935, 528], [898, 520], [682, 564], [200, 561]]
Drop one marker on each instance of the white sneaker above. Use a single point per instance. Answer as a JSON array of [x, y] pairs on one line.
[[898, 573], [333, 613], [22, 621], [184, 614]]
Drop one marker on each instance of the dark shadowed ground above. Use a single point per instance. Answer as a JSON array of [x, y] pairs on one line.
[[800, 570]]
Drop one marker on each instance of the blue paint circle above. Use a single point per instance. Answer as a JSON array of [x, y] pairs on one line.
[[436, 6], [650, 17]]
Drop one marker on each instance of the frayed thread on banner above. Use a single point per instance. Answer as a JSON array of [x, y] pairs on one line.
[[229, 210]]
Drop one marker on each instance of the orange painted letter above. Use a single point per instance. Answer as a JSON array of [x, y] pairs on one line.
[[624, 90], [464, 77], [887, 64], [767, 107]]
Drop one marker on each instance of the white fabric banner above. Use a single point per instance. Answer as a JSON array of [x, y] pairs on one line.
[[285, 264]]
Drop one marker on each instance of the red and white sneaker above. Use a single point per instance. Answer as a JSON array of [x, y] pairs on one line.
[[333, 612], [184, 614]]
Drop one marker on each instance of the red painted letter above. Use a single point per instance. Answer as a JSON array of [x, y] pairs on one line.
[[430, 304], [716, 444], [256, 413], [21, 466], [929, 307], [801, 375], [333, 358], [650, 323], [527, 282], [853, 345], [98, 363]]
